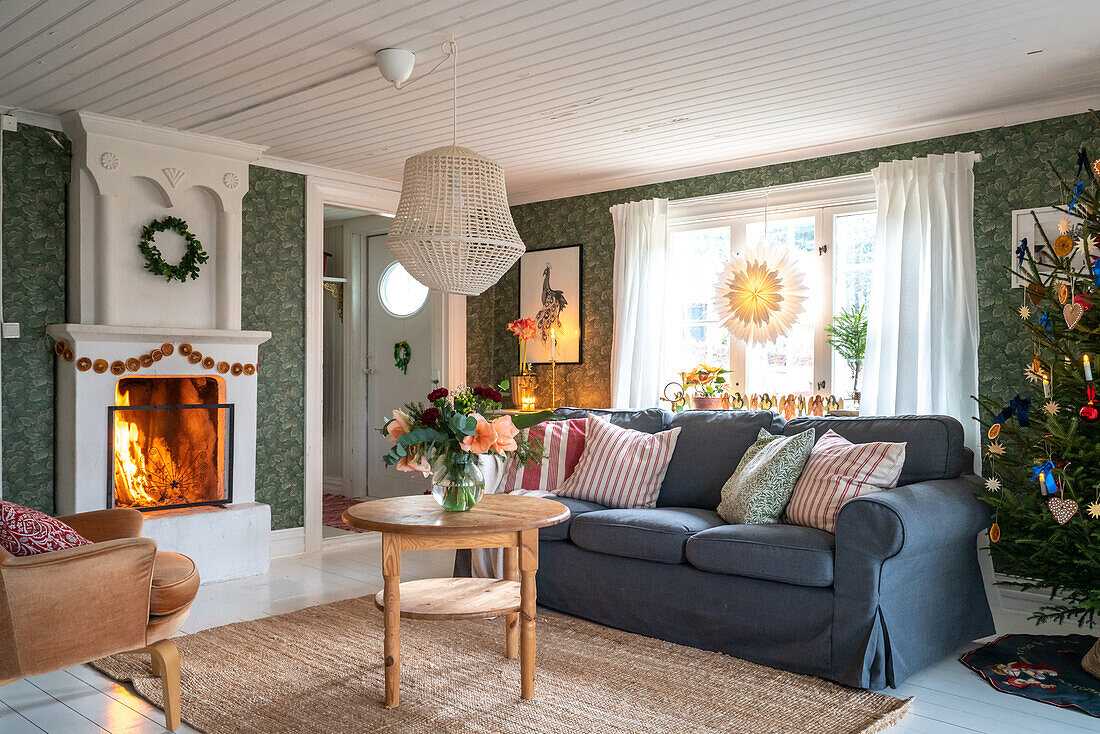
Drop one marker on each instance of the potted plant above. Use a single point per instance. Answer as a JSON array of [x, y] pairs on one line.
[[708, 387], [523, 385], [448, 438], [847, 334]]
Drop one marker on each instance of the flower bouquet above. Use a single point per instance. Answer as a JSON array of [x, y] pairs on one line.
[[447, 438], [523, 384], [708, 386]]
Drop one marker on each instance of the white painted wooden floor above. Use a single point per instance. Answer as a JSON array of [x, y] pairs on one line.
[[949, 699]]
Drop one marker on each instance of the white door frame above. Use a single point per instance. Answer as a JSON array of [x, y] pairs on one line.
[[448, 329]]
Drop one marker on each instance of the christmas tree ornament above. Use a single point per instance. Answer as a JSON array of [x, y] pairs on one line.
[[1025, 312], [1096, 272], [1094, 510], [1035, 293], [1044, 475], [1088, 412], [993, 484], [1062, 509], [1021, 253], [1063, 245], [994, 533], [995, 449], [1063, 225], [1073, 313], [1044, 321], [1051, 407], [1096, 168], [1063, 293], [994, 431], [1034, 376], [1017, 407]]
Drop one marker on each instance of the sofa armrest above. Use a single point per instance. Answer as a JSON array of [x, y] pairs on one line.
[[908, 589], [71, 606], [912, 519], [102, 525]]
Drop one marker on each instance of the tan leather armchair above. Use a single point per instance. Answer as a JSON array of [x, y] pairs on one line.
[[118, 594]]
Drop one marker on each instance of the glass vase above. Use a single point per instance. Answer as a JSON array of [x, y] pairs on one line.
[[458, 486]]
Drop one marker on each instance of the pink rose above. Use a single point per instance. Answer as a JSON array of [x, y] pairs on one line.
[[506, 432], [399, 426], [484, 436]]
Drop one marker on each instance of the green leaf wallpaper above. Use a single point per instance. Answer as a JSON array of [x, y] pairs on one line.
[[1012, 175], [36, 176], [273, 287]]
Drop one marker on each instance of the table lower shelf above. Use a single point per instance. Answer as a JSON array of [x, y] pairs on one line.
[[455, 598]]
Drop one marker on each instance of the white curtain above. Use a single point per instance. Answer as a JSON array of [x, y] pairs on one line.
[[641, 268], [922, 335]]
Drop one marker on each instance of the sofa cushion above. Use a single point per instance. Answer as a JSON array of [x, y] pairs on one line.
[[760, 489], [175, 583], [711, 444], [576, 508], [651, 535], [648, 420], [934, 443], [788, 553], [620, 467]]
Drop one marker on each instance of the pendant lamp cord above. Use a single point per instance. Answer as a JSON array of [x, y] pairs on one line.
[[452, 47]]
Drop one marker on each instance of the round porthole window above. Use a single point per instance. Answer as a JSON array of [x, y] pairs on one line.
[[400, 293]]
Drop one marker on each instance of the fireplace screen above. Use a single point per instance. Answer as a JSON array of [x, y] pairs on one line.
[[169, 443]]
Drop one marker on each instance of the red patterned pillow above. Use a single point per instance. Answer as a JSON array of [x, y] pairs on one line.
[[27, 532], [619, 467], [562, 443], [837, 471]]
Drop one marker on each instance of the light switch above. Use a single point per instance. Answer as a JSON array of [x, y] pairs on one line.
[[10, 330]]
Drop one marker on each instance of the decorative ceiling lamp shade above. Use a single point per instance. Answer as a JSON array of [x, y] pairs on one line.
[[760, 294], [453, 230]]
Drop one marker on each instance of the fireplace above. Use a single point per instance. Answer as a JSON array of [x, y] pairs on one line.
[[169, 443]]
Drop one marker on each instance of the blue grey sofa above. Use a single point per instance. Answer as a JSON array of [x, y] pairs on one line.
[[896, 588]]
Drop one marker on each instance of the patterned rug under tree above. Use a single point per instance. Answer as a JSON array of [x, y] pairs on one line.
[[1044, 668], [319, 670]]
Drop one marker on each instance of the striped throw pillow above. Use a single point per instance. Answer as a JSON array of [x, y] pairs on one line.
[[619, 467], [562, 443], [837, 471]]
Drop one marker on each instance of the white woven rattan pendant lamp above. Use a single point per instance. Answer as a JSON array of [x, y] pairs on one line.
[[453, 230]]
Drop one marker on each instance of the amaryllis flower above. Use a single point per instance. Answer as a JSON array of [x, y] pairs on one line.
[[412, 463], [399, 426], [430, 417], [523, 328], [438, 393], [484, 438], [506, 432]]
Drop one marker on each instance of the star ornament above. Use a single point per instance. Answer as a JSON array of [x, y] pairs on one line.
[[1063, 226], [1033, 375], [1051, 408], [761, 294], [995, 449], [993, 484], [1094, 510], [1025, 312]]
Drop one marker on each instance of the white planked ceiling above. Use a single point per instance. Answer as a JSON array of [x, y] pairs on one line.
[[570, 96]]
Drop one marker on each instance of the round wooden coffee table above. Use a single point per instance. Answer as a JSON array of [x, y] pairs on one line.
[[498, 521]]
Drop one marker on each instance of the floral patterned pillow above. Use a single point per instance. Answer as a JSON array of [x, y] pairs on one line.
[[27, 532], [761, 486]]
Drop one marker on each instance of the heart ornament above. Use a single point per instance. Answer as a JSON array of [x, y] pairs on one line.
[[1062, 509], [1035, 292], [1073, 313]]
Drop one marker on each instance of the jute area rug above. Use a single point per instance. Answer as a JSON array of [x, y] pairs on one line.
[[320, 670]]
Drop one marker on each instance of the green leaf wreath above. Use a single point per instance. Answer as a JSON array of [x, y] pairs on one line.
[[188, 267]]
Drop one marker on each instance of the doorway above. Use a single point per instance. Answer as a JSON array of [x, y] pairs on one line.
[[353, 381]]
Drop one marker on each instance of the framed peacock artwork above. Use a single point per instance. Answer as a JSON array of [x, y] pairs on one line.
[[550, 293]]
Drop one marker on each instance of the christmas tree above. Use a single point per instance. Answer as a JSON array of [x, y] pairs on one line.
[[1042, 448]]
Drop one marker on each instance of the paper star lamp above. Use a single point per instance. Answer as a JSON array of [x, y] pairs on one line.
[[760, 294]]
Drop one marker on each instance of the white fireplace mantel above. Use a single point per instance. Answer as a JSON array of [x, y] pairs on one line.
[[94, 333]]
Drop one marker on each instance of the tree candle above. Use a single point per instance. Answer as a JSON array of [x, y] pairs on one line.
[[553, 346], [1088, 369]]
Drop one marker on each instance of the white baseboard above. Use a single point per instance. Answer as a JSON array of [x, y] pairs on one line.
[[288, 542]]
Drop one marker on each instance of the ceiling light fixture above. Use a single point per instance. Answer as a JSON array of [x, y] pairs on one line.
[[395, 65], [453, 230]]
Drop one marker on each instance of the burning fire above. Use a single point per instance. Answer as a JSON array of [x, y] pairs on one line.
[[166, 457]]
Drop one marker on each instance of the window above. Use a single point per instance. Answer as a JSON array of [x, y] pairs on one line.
[[833, 243], [400, 293]]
